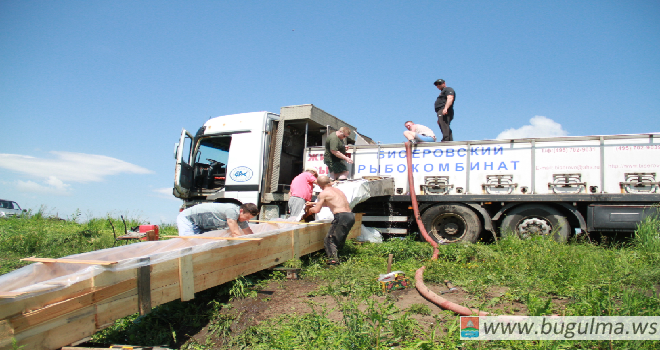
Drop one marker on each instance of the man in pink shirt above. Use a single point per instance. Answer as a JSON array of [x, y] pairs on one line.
[[301, 191]]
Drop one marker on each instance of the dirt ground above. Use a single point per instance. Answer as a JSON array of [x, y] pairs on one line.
[[292, 296]]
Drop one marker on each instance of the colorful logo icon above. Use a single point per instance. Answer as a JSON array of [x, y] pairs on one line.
[[469, 327], [241, 174]]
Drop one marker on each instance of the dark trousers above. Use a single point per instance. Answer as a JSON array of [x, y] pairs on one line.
[[339, 230], [443, 123]]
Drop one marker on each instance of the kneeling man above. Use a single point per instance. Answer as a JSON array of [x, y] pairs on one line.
[[216, 216]]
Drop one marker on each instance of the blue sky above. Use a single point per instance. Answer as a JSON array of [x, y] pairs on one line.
[[93, 94]]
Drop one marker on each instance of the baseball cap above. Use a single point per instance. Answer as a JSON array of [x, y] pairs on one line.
[[439, 82]]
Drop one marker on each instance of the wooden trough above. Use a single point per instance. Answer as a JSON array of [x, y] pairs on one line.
[[71, 312]]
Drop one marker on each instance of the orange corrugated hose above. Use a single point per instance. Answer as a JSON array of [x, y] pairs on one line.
[[419, 275]]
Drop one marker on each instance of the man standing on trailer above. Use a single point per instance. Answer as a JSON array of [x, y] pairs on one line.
[[301, 191], [444, 108], [216, 216], [336, 152], [418, 133], [334, 199]]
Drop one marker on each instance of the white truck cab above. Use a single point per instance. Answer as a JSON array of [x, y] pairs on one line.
[[251, 157], [206, 169]]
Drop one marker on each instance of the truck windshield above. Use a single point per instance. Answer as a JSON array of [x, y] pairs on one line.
[[213, 150]]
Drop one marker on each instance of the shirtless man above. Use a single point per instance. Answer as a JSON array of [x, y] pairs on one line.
[[334, 199]]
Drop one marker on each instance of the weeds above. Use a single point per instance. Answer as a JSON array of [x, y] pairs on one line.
[[46, 236], [419, 309], [590, 279]]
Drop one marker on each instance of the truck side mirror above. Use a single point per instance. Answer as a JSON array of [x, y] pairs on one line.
[[176, 148]]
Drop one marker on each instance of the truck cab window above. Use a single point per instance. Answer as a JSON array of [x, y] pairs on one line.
[[211, 162]]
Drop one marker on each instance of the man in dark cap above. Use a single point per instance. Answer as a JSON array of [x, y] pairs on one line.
[[444, 108]]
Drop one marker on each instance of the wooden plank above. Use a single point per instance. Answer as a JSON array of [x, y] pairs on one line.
[[110, 277], [164, 273], [59, 331], [11, 295], [77, 311], [6, 330], [114, 308], [144, 287], [76, 328], [186, 277], [222, 257], [216, 238], [70, 261], [25, 321], [165, 294], [295, 243], [39, 301], [229, 273]]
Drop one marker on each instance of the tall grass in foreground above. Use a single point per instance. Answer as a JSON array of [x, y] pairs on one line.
[[578, 278], [49, 237], [548, 277]]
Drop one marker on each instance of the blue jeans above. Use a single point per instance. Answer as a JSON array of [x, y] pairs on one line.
[[423, 138], [188, 228]]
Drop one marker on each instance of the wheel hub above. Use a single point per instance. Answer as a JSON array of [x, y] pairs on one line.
[[449, 227], [534, 227]]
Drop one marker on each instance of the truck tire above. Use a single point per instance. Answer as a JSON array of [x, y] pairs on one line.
[[528, 220], [452, 223]]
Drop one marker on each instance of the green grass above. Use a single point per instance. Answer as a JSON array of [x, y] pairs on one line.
[[588, 279], [614, 280], [44, 236]]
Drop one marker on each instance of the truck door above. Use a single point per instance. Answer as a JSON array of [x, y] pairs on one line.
[[183, 175]]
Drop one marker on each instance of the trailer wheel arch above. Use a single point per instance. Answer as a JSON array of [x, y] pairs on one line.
[[485, 218], [575, 219], [453, 216]]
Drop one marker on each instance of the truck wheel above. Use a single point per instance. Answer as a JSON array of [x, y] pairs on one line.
[[453, 223], [534, 220]]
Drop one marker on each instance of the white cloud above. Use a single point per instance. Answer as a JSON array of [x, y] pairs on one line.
[[52, 185], [539, 127], [165, 193], [69, 167]]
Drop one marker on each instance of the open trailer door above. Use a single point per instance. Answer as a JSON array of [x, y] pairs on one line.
[[183, 175]]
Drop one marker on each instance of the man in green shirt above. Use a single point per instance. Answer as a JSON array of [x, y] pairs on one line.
[[336, 152]]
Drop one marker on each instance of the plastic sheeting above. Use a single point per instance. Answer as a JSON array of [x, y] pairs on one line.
[[39, 278], [356, 192], [369, 234]]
